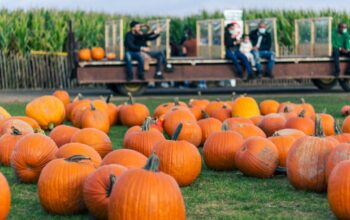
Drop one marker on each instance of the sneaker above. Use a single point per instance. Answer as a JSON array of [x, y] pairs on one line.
[[254, 69], [158, 76], [169, 68], [151, 85]]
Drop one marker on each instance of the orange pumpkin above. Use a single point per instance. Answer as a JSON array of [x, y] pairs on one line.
[[338, 190], [180, 159], [96, 139], [191, 132], [327, 121], [85, 54], [248, 130], [208, 126], [340, 153], [199, 102], [111, 56], [125, 157], [245, 107], [20, 125], [220, 149], [71, 149], [346, 125], [93, 118], [213, 106], [272, 123], [289, 131], [258, 157], [256, 119], [7, 144], [222, 113], [232, 122], [175, 116], [71, 105], [62, 134], [308, 108], [133, 113], [5, 197], [269, 106], [97, 53], [30, 155], [112, 111], [289, 107], [63, 96], [34, 124], [302, 123], [98, 187], [4, 113], [60, 186], [162, 201], [197, 112], [339, 135], [48, 111]]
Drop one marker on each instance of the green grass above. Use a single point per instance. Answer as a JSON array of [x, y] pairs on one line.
[[214, 195]]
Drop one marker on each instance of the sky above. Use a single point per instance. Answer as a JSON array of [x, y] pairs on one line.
[[172, 7]]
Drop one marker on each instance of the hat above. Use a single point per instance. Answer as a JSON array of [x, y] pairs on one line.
[[133, 24]]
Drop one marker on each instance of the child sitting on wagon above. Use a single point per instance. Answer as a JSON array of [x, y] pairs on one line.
[[246, 47]]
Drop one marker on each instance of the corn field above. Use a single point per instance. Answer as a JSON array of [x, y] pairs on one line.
[[23, 31]]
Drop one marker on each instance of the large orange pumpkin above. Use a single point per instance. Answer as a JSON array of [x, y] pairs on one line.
[[222, 113], [72, 149], [48, 111], [213, 106], [269, 106], [209, 126], [133, 113], [306, 161], [7, 144], [258, 157], [62, 134], [85, 54], [220, 149], [95, 139], [162, 201], [248, 130], [143, 141], [60, 186], [338, 190], [125, 157], [272, 123], [63, 96], [191, 132], [30, 155], [340, 153], [98, 189], [327, 121], [94, 118], [5, 197], [175, 116], [245, 107], [97, 53], [302, 123]]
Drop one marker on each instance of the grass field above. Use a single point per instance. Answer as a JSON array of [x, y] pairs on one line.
[[214, 195]]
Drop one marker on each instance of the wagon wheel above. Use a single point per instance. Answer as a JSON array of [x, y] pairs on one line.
[[345, 84], [135, 89], [324, 84]]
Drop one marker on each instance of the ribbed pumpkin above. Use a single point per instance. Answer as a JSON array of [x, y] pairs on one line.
[[196, 111], [245, 107], [272, 123], [143, 141], [97, 53], [94, 118], [85, 54], [213, 106], [4, 113], [63, 96], [258, 157], [60, 186], [34, 124], [98, 187], [222, 113], [190, 132], [72, 149], [5, 197], [248, 130], [162, 201], [30, 155], [289, 107], [62, 134], [308, 108], [220, 149], [125, 157], [208, 126], [113, 111], [175, 116], [20, 125], [48, 111], [269, 106], [346, 125], [133, 113], [180, 159], [7, 144], [232, 122], [138, 128], [111, 56], [71, 105], [289, 131], [77, 105], [327, 121], [95, 139], [338, 190], [345, 110], [306, 161], [302, 123], [199, 102], [162, 109], [339, 135], [256, 119], [340, 153]]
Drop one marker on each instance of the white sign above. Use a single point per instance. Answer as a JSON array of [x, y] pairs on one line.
[[234, 16]]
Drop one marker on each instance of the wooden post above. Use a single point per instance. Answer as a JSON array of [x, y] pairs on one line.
[[167, 41], [296, 36], [312, 40], [222, 38], [330, 36], [121, 39], [210, 38], [246, 27], [107, 36], [277, 49], [159, 39], [198, 37]]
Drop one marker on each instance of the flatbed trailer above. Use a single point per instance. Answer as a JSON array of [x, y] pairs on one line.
[[113, 73]]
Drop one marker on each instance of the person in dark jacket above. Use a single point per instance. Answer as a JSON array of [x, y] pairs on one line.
[[341, 46], [262, 43], [133, 51], [232, 52]]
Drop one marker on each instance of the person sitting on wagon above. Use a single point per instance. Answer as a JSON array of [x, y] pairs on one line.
[[133, 51], [232, 44], [262, 43], [341, 45]]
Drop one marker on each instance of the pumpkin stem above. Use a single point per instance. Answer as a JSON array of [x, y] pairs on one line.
[[108, 99], [199, 93], [92, 106], [77, 158], [152, 163], [39, 131], [205, 114], [286, 110], [51, 126], [319, 132], [147, 124], [112, 179], [324, 110], [131, 99], [337, 128], [218, 99], [80, 96], [302, 100], [15, 131], [302, 114], [176, 101], [177, 132], [224, 126], [233, 96]]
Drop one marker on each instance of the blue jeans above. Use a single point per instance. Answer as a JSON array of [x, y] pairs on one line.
[[235, 56], [129, 56], [161, 59], [269, 55]]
